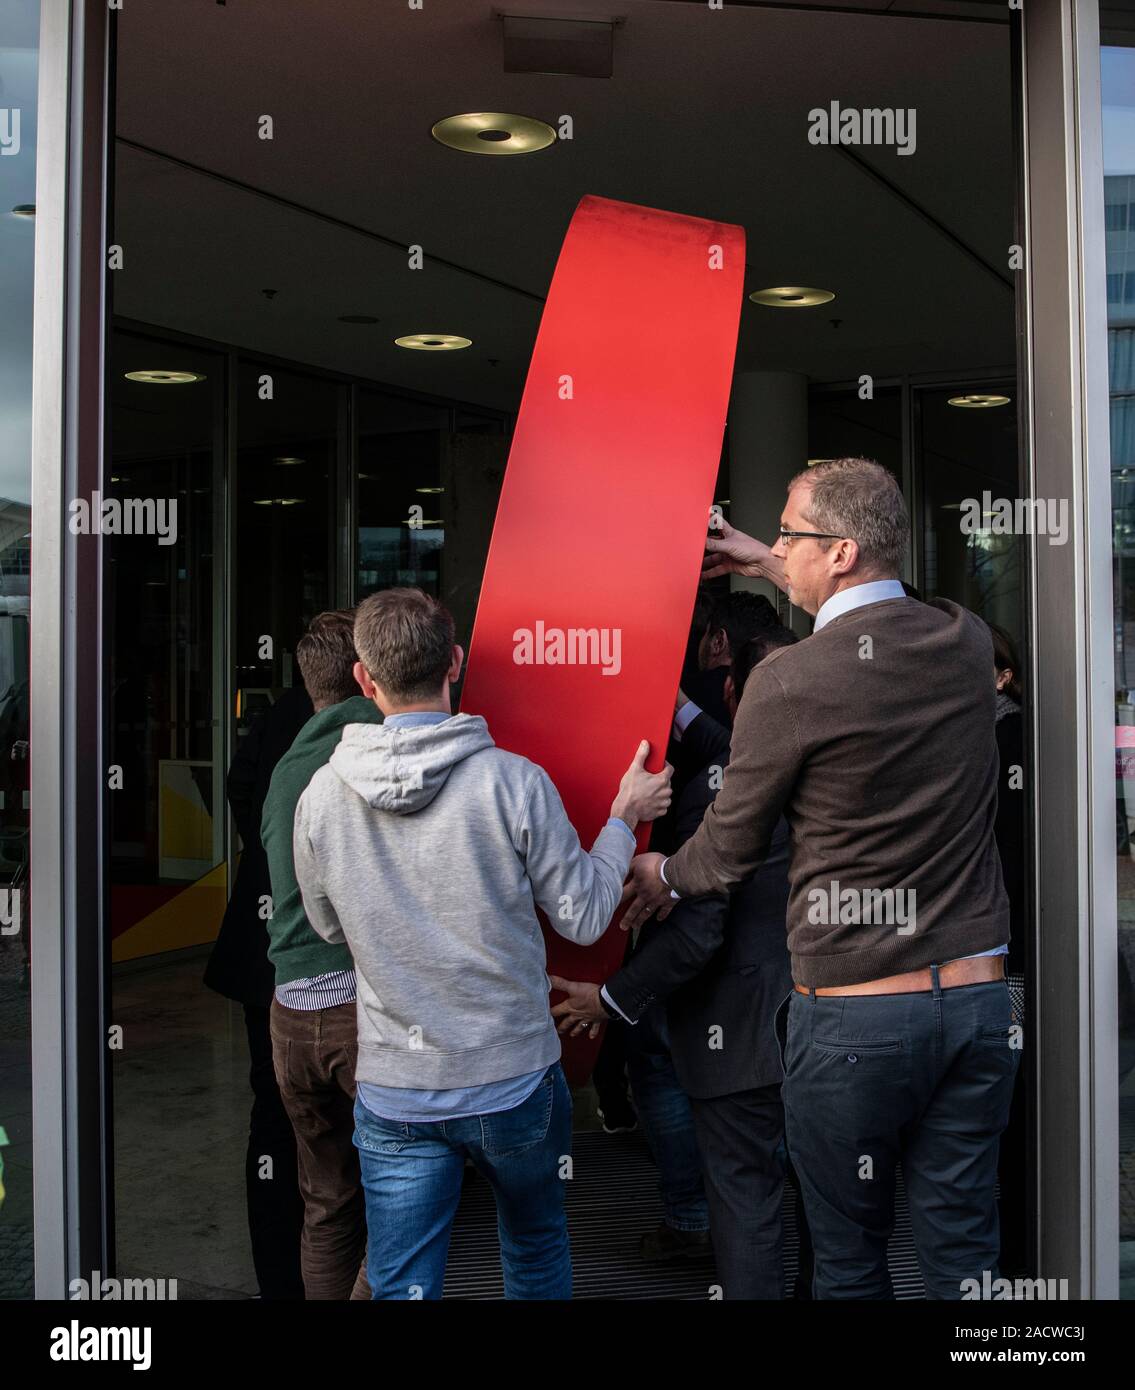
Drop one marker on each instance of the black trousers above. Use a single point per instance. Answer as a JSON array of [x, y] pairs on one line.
[[1012, 1173], [918, 1081], [741, 1142], [271, 1173]]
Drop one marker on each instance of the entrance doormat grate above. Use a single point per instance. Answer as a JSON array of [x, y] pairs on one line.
[[611, 1201]]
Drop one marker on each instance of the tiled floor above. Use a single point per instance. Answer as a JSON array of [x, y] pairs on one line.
[[181, 1103]]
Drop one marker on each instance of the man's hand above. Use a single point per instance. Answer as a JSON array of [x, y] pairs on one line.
[[582, 1009], [642, 795], [645, 892], [733, 552]]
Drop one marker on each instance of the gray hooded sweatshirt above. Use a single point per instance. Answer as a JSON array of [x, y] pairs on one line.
[[427, 849]]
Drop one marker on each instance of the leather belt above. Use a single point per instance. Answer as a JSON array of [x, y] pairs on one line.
[[975, 970]]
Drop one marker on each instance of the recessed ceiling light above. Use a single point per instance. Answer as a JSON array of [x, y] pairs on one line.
[[276, 501], [433, 342], [24, 210], [288, 462], [976, 401], [357, 318], [792, 297], [494, 132], [155, 378], [429, 489], [812, 462]]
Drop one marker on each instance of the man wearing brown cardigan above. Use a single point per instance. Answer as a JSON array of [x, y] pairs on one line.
[[875, 739]]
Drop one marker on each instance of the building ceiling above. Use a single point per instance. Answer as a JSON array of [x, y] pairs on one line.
[[706, 114]]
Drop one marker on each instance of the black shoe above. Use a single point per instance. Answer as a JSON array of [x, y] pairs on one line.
[[668, 1244], [622, 1120]]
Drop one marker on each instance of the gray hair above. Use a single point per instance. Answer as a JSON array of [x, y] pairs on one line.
[[404, 639], [859, 499]]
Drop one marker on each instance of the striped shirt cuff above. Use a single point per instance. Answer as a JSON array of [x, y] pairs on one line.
[[610, 1003], [665, 880]]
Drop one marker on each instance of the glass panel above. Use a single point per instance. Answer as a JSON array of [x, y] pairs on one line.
[[1118, 83], [19, 67], [166, 818], [165, 829], [400, 492], [969, 470], [284, 544], [840, 425]]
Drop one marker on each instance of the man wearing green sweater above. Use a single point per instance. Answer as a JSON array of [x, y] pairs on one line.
[[313, 1014]]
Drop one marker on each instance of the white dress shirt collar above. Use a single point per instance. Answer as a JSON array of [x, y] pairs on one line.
[[877, 591]]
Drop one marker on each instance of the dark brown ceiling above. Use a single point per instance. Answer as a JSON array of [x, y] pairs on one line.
[[706, 113]]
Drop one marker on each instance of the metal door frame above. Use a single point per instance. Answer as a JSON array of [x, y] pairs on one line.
[[70, 1131], [1065, 347]]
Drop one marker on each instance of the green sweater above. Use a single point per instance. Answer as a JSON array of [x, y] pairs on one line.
[[293, 947]]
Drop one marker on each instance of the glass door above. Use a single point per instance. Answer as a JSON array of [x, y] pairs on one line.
[[19, 65], [1117, 74]]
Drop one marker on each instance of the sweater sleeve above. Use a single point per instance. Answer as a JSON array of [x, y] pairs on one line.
[[578, 891], [316, 904], [765, 759]]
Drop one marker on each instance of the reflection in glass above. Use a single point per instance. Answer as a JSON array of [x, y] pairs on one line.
[[19, 67], [841, 425], [400, 492], [969, 471], [165, 814], [1118, 91], [287, 445]]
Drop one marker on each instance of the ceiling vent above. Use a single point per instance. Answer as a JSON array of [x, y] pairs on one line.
[[568, 47]]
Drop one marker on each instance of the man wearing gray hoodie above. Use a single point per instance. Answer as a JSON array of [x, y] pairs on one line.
[[428, 849]]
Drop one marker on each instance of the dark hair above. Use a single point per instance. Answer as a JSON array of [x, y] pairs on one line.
[[326, 657], [754, 652], [1006, 658], [741, 615], [405, 641]]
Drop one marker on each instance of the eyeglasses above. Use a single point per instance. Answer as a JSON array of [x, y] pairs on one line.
[[787, 535]]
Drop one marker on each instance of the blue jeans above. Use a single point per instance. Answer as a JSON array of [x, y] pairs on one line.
[[667, 1121], [412, 1183], [918, 1081]]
